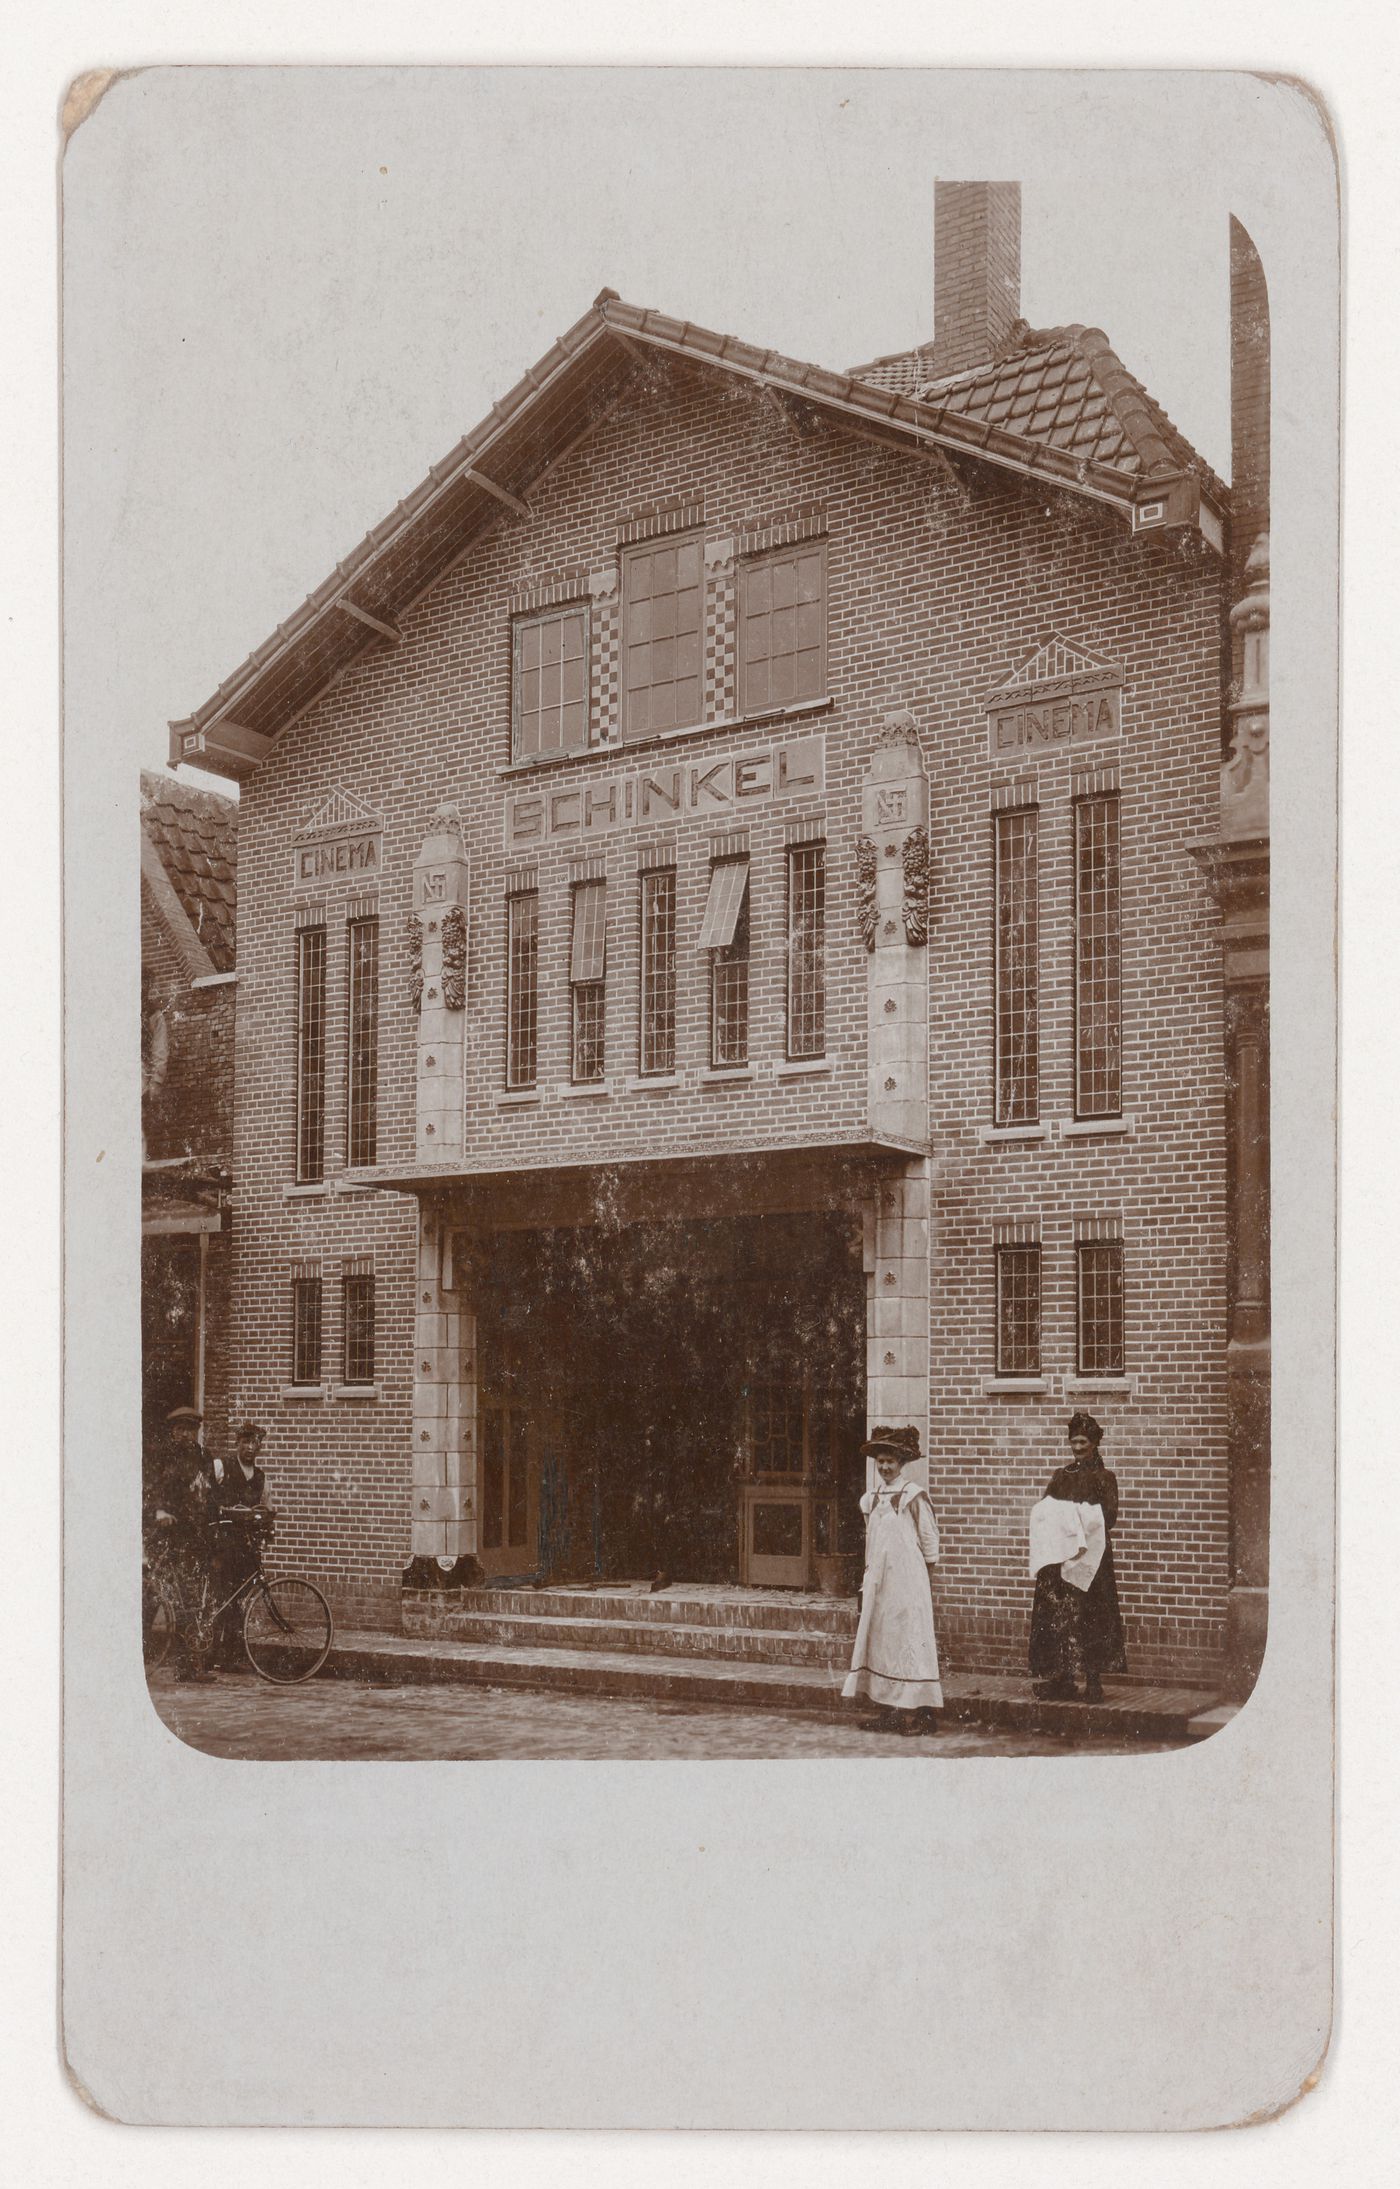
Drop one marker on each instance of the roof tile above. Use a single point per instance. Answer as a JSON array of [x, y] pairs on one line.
[[194, 834]]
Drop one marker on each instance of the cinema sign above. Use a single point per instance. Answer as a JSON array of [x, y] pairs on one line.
[[686, 790], [340, 844], [1059, 696]]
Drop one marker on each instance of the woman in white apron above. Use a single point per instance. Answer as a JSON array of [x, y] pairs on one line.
[[895, 1660]]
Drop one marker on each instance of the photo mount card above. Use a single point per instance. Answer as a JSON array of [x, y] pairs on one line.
[[673, 1446]]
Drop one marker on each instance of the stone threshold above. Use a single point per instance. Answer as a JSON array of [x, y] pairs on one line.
[[1171, 1715]]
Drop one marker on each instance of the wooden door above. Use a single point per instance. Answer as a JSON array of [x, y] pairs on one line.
[[508, 1536]]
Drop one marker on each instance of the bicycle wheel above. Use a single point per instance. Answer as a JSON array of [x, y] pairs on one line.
[[158, 1618], [287, 1629]]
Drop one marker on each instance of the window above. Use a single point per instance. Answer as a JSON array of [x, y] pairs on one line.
[[1100, 1288], [806, 1006], [357, 1301], [725, 934], [362, 1070], [1018, 1310], [550, 684], [306, 1330], [782, 629], [587, 973], [1017, 971], [1098, 1076], [311, 1055], [522, 988], [658, 1000], [661, 625]]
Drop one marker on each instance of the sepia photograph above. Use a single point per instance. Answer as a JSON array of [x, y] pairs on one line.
[[668, 699]]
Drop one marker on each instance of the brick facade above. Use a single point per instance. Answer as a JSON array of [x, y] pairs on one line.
[[940, 582]]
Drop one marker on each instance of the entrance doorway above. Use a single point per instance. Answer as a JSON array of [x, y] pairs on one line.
[[681, 1399]]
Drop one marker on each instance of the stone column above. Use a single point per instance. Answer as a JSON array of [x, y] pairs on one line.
[[440, 907], [893, 879], [444, 1488]]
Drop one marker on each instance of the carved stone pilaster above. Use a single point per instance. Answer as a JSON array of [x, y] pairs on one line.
[[892, 880], [440, 907]]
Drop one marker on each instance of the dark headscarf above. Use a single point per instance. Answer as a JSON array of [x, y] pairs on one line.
[[1087, 1482]]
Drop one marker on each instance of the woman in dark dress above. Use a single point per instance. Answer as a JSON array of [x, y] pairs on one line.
[[1078, 1633]]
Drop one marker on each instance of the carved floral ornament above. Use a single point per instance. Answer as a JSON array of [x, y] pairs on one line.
[[914, 859], [454, 959]]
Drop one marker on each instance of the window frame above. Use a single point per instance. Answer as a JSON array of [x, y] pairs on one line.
[[312, 1288], [813, 847], [749, 567], [309, 1035], [729, 958], [650, 879], [1112, 1249], [630, 557], [1009, 1114], [361, 1047], [1113, 950], [519, 1084], [349, 1280], [1030, 1252], [536, 619], [594, 989]]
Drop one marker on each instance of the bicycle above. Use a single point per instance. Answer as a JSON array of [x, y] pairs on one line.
[[287, 1623]]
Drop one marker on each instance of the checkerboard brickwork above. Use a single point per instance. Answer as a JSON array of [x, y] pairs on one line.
[[721, 630], [938, 585]]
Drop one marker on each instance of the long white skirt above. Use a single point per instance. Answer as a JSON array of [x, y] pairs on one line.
[[895, 1660]]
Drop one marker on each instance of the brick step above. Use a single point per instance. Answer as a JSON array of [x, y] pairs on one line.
[[425, 1611], [1171, 1716], [646, 1637]]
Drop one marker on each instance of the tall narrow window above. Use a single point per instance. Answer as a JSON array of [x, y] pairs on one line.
[[1018, 1310], [357, 1303], [311, 1055], [782, 628], [661, 648], [306, 1330], [550, 684], [1098, 981], [362, 1073], [522, 988], [725, 934], [1100, 1288], [587, 975], [658, 998], [806, 1012], [1017, 969]]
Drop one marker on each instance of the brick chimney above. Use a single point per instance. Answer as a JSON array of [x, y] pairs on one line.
[[976, 271]]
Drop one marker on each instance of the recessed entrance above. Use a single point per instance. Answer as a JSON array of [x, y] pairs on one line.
[[682, 1398]]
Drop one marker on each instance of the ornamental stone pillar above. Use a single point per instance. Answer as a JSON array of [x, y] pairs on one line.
[[444, 1475], [439, 929], [893, 881]]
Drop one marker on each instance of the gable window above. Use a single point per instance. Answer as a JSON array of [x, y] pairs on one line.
[[587, 977], [782, 628], [725, 934], [661, 608], [1017, 969], [522, 988], [306, 1330], [357, 1304], [1098, 983], [806, 1012], [311, 1055], [1100, 1302], [1018, 1310], [362, 1074], [658, 997], [550, 684]]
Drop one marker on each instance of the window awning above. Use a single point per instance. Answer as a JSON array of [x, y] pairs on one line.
[[590, 933], [729, 879]]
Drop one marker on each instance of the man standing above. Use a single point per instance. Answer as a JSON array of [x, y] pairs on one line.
[[239, 1494], [177, 1510]]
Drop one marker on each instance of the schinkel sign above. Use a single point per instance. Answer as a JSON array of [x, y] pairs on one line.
[[702, 790]]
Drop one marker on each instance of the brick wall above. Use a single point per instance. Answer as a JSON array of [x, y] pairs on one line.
[[939, 583]]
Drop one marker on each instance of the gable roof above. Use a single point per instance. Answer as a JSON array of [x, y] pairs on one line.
[[193, 837], [486, 478], [1063, 386]]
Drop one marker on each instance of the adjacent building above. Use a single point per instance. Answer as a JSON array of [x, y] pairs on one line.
[[727, 957]]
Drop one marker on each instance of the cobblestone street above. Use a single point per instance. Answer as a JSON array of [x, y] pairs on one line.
[[241, 1716]]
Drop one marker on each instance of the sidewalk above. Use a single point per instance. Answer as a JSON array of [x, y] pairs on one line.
[[1168, 1714]]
